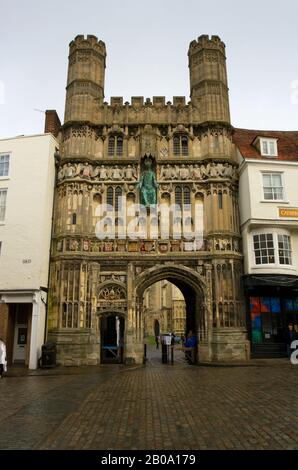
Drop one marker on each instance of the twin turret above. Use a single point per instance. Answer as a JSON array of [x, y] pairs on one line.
[[85, 80], [208, 80]]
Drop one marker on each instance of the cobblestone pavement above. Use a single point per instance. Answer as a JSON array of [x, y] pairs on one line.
[[152, 407]]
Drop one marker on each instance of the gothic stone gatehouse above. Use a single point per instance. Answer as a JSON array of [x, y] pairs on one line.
[[97, 285]]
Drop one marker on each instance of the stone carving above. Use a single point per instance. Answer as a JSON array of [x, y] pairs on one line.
[[116, 174], [95, 173], [226, 244], [69, 170], [167, 172], [113, 277], [130, 173], [85, 245], [86, 171], [103, 173], [197, 172], [112, 292], [184, 173], [164, 152]]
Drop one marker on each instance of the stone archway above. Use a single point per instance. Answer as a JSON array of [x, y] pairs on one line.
[[198, 306]]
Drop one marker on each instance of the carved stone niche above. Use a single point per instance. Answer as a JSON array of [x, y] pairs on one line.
[[175, 245], [148, 141], [111, 292], [112, 297]]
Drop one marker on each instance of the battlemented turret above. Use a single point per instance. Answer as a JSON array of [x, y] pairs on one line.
[[208, 79], [85, 81]]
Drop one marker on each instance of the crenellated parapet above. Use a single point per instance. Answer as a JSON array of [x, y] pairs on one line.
[[205, 42], [91, 42]]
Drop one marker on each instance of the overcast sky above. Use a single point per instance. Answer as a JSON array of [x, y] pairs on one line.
[[147, 43]]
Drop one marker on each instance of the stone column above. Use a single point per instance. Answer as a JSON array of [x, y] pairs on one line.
[[36, 325], [134, 344]]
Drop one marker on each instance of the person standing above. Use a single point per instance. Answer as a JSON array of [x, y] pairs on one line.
[[190, 346], [290, 337], [3, 367]]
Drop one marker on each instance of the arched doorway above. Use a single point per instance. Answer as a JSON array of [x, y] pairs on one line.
[[112, 331], [193, 288], [164, 311], [156, 328]]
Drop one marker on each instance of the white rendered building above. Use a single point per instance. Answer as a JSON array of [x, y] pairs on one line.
[[268, 200], [27, 176]]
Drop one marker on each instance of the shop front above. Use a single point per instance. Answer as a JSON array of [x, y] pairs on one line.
[[272, 303]]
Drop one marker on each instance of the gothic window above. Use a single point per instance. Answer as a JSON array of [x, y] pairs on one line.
[[220, 200], [69, 316], [75, 316], [115, 146], [119, 148], [178, 196], [114, 197], [64, 314], [74, 218], [186, 195], [118, 194], [110, 196], [182, 196], [88, 317], [180, 145], [71, 297], [111, 146]]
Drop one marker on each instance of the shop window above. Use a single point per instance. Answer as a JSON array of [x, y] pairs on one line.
[[266, 321]]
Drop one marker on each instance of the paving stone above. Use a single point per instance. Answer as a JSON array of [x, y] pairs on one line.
[[152, 407]]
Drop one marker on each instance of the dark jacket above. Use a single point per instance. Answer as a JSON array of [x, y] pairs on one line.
[[290, 336]]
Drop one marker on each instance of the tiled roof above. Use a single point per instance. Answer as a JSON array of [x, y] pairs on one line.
[[287, 143]]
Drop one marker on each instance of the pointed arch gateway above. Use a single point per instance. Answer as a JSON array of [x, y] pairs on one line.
[[198, 310]]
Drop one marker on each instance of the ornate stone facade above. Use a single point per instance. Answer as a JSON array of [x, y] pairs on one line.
[[102, 152]]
